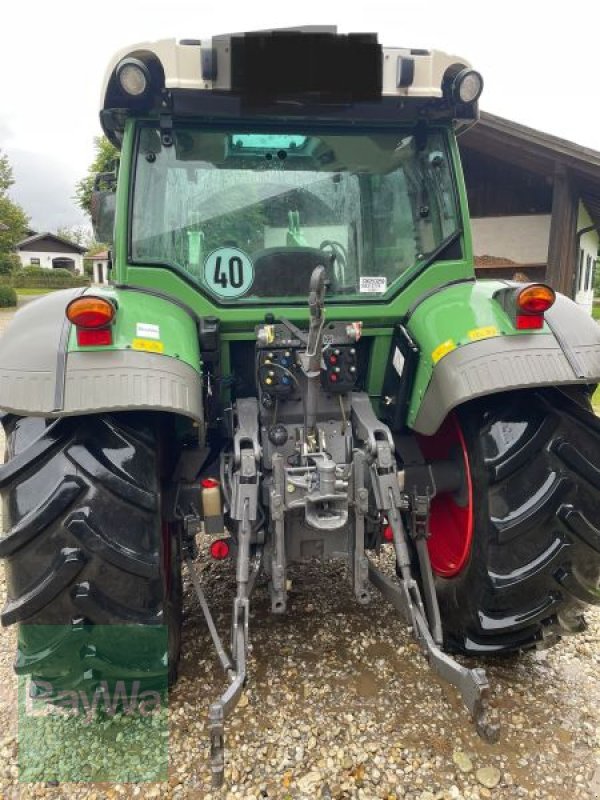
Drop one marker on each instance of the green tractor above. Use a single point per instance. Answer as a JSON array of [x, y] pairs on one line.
[[293, 360]]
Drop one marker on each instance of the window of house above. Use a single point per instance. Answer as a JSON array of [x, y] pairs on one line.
[[35, 262]]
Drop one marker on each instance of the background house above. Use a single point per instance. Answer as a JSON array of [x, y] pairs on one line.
[[51, 252], [535, 205]]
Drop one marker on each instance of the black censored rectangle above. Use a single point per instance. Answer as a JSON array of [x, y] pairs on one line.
[[334, 68]]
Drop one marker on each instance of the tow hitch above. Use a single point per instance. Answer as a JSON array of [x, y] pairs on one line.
[[403, 593]]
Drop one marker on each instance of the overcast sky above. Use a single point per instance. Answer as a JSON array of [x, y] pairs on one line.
[[540, 64]]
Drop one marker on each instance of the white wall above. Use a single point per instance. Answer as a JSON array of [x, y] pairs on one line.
[[586, 261], [525, 239], [522, 239], [46, 259], [96, 267]]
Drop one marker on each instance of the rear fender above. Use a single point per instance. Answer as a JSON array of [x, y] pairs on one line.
[[470, 348], [153, 364]]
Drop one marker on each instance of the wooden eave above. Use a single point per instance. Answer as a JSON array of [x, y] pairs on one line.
[[539, 153]]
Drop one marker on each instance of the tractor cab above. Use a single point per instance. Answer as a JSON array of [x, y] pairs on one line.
[[248, 216], [247, 177]]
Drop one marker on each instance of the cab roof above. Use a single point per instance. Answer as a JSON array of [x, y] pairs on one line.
[[286, 73]]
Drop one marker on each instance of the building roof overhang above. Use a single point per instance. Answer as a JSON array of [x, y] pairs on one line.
[[39, 237], [538, 152]]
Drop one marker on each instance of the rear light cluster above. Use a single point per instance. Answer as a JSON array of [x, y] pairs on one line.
[[526, 305], [531, 304], [92, 317]]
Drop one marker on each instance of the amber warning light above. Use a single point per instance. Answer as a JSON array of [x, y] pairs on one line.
[[532, 302], [92, 317]]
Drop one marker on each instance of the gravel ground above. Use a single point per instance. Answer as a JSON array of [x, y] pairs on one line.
[[341, 704]]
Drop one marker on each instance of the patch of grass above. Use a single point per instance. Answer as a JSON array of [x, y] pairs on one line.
[[596, 312], [32, 292]]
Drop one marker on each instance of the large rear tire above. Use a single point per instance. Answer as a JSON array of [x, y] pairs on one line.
[[529, 515], [93, 572]]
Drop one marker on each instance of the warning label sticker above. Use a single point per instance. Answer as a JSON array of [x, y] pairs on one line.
[[148, 345], [442, 350], [373, 284], [145, 330]]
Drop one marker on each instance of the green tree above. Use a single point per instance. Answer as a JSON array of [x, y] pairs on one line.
[[95, 247], [106, 155], [78, 234], [6, 174], [13, 224], [83, 236], [13, 220]]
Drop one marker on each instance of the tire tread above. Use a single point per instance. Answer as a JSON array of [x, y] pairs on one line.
[[531, 571], [61, 550]]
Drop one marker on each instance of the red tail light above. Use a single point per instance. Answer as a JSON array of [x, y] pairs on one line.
[[219, 549], [529, 322], [388, 534], [94, 338]]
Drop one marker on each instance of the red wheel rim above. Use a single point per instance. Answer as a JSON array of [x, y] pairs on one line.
[[450, 524]]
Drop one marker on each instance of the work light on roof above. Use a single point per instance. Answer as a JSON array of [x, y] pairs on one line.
[[467, 86], [133, 76]]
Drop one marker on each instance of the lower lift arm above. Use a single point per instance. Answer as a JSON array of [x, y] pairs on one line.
[[244, 513], [405, 596]]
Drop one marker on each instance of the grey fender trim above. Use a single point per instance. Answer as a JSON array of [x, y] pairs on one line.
[[123, 380], [499, 365], [570, 354], [101, 381], [39, 378], [32, 355]]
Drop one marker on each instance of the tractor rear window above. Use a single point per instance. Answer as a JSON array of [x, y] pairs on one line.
[[248, 215]]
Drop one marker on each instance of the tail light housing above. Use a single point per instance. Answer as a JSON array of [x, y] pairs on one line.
[[92, 317], [535, 299], [527, 305]]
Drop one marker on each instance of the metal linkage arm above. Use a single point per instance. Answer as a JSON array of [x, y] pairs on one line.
[[234, 666], [225, 660], [244, 512], [471, 683], [405, 595]]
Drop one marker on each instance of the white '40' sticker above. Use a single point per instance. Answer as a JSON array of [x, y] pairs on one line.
[[228, 272]]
